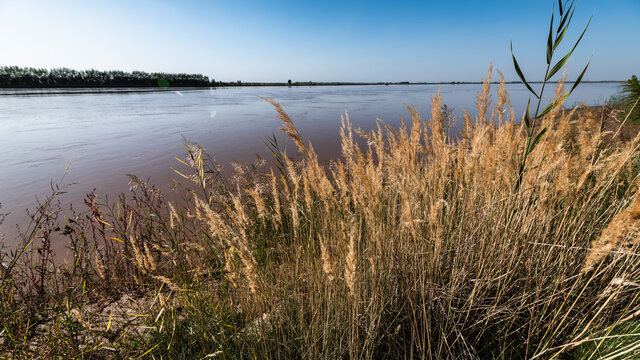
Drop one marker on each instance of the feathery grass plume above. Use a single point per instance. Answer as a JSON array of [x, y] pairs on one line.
[[75, 315], [287, 126], [139, 260], [625, 223], [346, 137], [276, 199], [293, 177], [292, 194], [99, 267], [261, 208], [238, 214], [306, 189], [504, 103], [172, 215], [151, 263], [327, 265], [212, 219], [483, 99], [165, 280], [351, 263], [235, 240], [249, 266], [229, 265]]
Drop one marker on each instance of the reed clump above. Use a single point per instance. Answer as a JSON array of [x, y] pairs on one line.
[[413, 244]]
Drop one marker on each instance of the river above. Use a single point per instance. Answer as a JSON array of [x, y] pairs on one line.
[[108, 135]]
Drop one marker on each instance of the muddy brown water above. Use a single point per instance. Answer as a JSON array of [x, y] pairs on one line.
[[106, 135]]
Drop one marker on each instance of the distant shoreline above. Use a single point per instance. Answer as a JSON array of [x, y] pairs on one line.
[[69, 81], [26, 91], [311, 83]]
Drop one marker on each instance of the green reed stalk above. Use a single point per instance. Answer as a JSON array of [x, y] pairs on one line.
[[566, 15]]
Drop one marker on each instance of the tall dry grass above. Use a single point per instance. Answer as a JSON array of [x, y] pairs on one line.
[[438, 254], [413, 244]]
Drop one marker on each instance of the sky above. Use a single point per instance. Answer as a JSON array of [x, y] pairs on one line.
[[273, 41]]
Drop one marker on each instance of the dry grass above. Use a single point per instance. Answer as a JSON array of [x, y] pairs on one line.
[[412, 245]]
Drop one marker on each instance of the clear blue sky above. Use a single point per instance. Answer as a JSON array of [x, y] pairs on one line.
[[321, 40]]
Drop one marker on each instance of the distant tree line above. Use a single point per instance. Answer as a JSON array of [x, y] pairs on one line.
[[19, 77]]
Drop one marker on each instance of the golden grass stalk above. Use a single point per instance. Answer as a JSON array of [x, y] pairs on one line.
[[150, 261], [259, 202], [139, 260], [625, 223], [99, 269], [351, 261], [170, 284], [287, 125], [327, 264], [276, 199], [172, 215]]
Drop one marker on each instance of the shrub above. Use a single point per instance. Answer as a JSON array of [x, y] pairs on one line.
[[630, 96]]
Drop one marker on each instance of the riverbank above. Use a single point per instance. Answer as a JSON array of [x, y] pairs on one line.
[[614, 121]]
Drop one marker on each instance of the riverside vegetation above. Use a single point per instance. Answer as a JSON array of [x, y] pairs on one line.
[[413, 244], [25, 77], [17, 77], [630, 96]]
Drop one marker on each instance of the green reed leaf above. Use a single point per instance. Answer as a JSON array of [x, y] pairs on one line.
[[567, 16], [520, 74], [560, 6], [575, 84], [550, 42], [547, 109], [581, 35], [561, 34], [527, 117], [560, 37], [558, 66], [563, 61], [536, 141]]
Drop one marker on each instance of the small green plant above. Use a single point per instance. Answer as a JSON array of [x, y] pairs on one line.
[[556, 35], [630, 96]]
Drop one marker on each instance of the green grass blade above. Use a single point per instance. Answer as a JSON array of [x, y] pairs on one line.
[[581, 35], [558, 65], [560, 37], [561, 63], [547, 109], [560, 6], [561, 34], [575, 84], [567, 16], [550, 42], [527, 117], [536, 141], [520, 74]]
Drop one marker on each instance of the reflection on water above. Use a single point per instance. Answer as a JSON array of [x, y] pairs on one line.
[[108, 135]]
